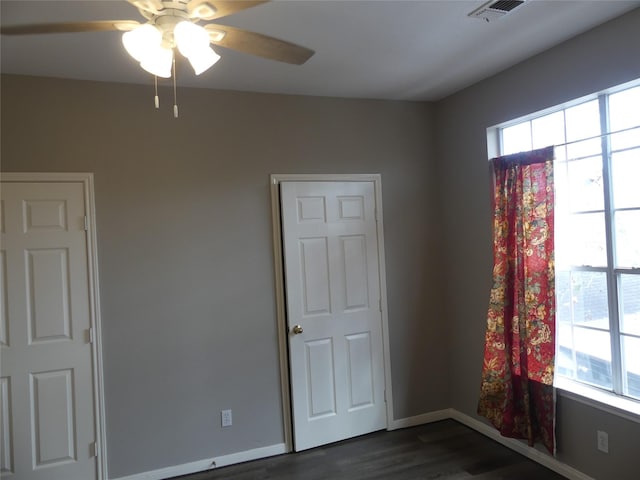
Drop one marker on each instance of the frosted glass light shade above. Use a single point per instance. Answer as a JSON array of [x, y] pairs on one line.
[[157, 61], [204, 59], [190, 38], [141, 40]]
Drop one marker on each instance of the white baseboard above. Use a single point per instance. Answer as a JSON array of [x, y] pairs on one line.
[[430, 417], [208, 463], [248, 455], [520, 447], [173, 471]]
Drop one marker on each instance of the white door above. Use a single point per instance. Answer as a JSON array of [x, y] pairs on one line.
[[47, 405], [334, 317]]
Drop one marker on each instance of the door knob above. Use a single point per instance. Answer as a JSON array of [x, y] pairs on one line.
[[297, 329]]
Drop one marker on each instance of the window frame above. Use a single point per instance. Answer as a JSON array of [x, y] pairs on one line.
[[613, 400]]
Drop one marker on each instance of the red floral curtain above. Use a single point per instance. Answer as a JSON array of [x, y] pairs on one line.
[[517, 375]]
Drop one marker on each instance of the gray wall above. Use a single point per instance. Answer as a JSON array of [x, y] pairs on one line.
[[603, 57], [184, 240], [185, 247]]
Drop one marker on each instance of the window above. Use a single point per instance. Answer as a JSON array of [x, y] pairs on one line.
[[597, 233]]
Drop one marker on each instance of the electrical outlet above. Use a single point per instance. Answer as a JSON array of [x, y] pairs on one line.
[[603, 441], [227, 419]]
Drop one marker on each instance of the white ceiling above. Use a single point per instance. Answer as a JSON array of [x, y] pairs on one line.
[[385, 49]]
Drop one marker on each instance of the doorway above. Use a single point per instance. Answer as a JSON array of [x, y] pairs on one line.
[[331, 307], [51, 386]]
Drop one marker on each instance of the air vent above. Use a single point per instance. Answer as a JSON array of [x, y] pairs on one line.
[[494, 10], [505, 5]]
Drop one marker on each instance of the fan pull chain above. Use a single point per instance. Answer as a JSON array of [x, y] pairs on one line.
[[157, 99], [175, 97]]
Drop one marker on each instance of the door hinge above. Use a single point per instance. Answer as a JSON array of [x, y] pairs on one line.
[[380, 304], [86, 223], [93, 449], [91, 335], [385, 396]]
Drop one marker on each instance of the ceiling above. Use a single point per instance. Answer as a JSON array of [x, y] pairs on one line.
[[382, 49]]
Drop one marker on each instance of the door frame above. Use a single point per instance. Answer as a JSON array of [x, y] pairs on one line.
[[281, 307], [94, 298]]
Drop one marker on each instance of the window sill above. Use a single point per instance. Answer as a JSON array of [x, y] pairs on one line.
[[600, 399]]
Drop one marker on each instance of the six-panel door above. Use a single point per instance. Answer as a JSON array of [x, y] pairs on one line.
[[46, 387], [333, 294]]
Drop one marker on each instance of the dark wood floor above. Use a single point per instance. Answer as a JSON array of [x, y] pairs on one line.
[[444, 450]]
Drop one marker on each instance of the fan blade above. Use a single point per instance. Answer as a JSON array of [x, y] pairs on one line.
[[151, 6], [224, 9], [258, 44], [70, 27]]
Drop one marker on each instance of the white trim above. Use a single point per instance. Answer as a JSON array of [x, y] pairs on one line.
[[94, 293], [429, 417], [45, 177], [173, 471], [248, 455], [281, 314], [319, 177], [594, 397], [285, 387], [520, 447], [208, 463], [382, 272], [516, 445], [94, 297]]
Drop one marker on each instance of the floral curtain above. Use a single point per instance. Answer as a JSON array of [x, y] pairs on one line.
[[517, 376]]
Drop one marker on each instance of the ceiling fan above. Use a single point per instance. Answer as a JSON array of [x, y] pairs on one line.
[[175, 24]]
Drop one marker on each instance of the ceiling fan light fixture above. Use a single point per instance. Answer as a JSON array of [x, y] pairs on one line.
[[203, 60], [190, 38], [158, 61], [172, 24], [141, 40]]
